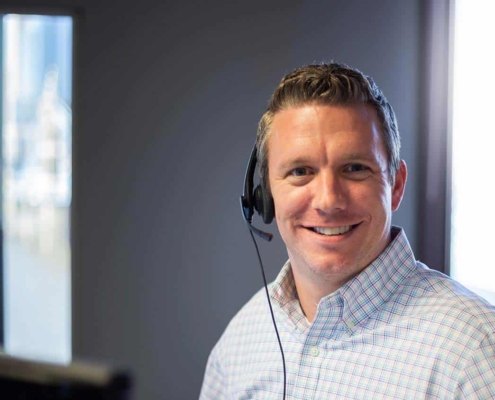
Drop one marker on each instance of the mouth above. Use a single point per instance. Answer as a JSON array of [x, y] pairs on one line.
[[341, 230]]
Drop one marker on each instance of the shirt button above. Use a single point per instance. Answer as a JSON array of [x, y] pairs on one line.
[[350, 324], [314, 351]]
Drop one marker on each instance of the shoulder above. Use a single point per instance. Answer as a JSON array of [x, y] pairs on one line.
[[439, 294], [250, 322]]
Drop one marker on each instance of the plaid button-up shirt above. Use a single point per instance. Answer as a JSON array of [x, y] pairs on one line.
[[398, 330]]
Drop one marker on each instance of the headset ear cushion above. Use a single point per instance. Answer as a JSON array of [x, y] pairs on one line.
[[263, 203]]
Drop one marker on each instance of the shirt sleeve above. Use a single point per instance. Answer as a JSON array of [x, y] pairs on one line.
[[478, 380], [214, 387]]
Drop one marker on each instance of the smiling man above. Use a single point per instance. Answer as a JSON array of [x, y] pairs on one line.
[[333, 194], [358, 316]]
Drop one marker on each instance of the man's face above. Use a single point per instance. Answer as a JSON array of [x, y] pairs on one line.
[[331, 188]]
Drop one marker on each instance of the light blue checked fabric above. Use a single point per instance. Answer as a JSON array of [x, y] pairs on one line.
[[396, 331]]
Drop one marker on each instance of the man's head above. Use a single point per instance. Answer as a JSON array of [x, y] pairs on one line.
[[329, 154], [329, 84]]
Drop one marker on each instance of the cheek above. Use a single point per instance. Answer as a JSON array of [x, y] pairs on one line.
[[385, 192], [383, 201], [289, 204], [374, 198]]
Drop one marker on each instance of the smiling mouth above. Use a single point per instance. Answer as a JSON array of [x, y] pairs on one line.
[[333, 231]]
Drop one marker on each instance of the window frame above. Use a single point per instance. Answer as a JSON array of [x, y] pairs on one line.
[[434, 163], [77, 15]]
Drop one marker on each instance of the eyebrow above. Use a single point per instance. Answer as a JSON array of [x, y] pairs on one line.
[[292, 162], [347, 157], [360, 156]]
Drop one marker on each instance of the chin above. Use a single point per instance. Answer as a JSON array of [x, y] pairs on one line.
[[331, 266]]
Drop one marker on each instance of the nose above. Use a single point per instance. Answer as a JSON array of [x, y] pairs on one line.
[[329, 193]]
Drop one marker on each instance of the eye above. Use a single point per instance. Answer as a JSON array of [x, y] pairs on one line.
[[299, 171], [357, 171], [356, 168]]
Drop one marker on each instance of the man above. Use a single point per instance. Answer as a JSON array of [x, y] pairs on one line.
[[358, 316]]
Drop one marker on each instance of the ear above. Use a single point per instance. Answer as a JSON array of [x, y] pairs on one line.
[[399, 185]]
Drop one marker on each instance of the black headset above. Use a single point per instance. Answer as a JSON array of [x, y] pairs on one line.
[[257, 198], [260, 199]]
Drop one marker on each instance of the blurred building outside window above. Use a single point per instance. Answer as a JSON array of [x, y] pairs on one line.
[[36, 185]]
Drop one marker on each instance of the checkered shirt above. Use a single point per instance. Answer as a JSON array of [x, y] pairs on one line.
[[398, 330]]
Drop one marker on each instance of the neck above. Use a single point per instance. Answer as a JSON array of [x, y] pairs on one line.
[[309, 302]]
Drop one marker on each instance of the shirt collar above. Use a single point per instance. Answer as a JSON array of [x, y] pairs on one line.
[[363, 294], [283, 289]]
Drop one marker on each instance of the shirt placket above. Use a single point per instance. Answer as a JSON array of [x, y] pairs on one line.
[[326, 326]]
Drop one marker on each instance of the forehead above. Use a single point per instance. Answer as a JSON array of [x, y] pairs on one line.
[[354, 125]]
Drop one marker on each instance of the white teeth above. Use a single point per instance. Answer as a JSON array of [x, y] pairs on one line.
[[332, 231]]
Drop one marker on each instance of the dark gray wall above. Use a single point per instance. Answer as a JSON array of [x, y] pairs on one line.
[[168, 96]]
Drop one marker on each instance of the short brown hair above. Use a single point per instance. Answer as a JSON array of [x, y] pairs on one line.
[[329, 84]]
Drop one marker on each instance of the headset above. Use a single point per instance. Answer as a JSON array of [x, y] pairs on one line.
[[261, 200], [258, 199]]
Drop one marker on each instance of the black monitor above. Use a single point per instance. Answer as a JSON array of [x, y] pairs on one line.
[[33, 380]]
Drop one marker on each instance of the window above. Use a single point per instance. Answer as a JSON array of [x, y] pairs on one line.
[[473, 143], [36, 184]]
